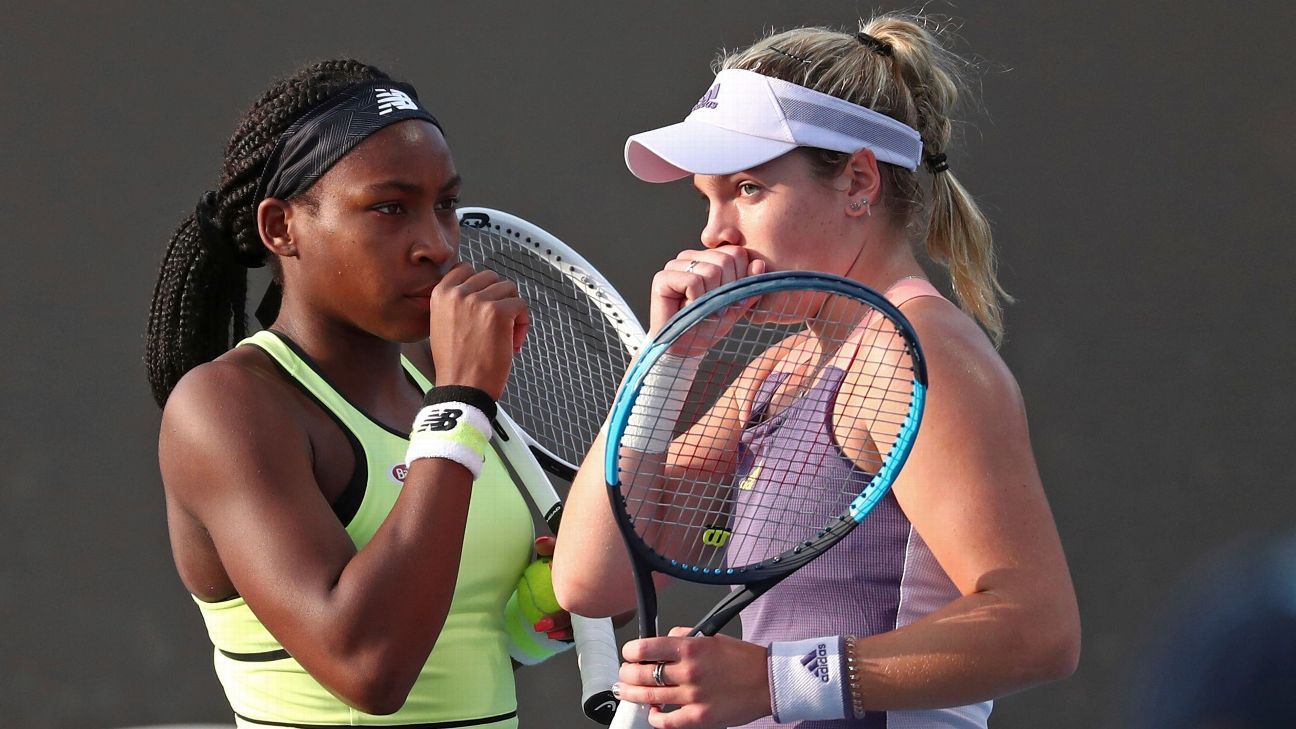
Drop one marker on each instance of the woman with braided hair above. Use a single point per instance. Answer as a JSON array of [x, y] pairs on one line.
[[345, 566], [826, 151]]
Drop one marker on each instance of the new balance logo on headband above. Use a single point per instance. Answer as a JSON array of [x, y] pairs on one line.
[[708, 99], [391, 99], [816, 661]]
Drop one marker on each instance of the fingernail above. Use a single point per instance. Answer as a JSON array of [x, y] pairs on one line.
[[564, 634], [616, 690], [544, 540], [545, 625]]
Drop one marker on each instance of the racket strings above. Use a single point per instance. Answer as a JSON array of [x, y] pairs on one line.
[[820, 403], [564, 379]]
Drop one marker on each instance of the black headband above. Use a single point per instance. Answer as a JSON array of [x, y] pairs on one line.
[[323, 135]]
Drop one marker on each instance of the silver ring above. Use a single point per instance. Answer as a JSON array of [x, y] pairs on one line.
[[659, 676], [689, 268]]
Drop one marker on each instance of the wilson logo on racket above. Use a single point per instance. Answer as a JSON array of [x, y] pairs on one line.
[[816, 661], [708, 100], [439, 420], [390, 100], [715, 536]]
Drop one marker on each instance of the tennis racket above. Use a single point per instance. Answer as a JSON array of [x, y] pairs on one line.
[[596, 650], [581, 340], [827, 368]]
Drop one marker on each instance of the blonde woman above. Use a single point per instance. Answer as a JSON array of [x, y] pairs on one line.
[[826, 151]]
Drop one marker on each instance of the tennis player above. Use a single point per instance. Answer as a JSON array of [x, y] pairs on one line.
[[827, 151], [347, 565]]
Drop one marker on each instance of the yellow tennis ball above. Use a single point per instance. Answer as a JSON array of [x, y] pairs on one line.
[[535, 591]]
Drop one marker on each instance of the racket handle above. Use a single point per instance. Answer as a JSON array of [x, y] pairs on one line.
[[631, 716], [596, 655]]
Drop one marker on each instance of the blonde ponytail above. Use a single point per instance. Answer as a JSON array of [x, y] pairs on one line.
[[959, 238]]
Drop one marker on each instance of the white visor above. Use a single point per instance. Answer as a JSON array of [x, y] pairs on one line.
[[746, 119]]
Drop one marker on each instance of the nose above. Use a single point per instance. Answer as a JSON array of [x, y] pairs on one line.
[[438, 244], [721, 228]]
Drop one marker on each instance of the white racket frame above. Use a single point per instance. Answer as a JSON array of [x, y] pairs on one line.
[[596, 648]]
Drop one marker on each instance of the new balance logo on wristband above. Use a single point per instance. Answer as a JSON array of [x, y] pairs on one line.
[[816, 661], [391, 99], [439, 419]]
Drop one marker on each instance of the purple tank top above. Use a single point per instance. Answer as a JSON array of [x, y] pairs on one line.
[[880, 577]]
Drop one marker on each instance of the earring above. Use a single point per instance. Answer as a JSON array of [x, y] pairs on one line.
[[855, 206]]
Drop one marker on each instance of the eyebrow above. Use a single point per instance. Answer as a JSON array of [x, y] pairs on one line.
[[411, 187]]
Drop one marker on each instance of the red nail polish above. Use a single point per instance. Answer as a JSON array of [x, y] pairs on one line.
[[545, 625]]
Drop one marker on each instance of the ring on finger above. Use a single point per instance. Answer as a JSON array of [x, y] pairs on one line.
[[689, 268], [659, 675]]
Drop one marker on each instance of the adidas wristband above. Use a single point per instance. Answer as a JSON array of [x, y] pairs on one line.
[[661, 400], [456, 431], [525, 645], [808, 680]]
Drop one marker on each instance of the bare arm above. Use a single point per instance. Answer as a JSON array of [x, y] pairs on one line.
[[239, 462], [362, 623], [972, 490], [591, 568]]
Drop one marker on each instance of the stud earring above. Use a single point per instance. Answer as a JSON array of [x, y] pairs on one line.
[[855, 206]]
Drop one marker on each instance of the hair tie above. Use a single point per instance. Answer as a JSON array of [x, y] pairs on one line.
[[936, 163], [878, 46], [219, 238], [209, 226]]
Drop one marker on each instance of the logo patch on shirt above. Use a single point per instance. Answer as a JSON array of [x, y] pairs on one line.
[[398, 473], [749, 480]]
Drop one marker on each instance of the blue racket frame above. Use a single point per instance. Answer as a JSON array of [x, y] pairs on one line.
[[774, 568]]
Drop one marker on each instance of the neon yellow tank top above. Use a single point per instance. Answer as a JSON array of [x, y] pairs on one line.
[[468, 678]]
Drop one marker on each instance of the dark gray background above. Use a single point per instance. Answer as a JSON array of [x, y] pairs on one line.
[[1135, 159]]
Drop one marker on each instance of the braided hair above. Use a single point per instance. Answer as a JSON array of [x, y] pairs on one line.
[[198, 309]]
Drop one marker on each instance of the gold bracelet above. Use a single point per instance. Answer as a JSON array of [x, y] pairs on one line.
[[853, 679]]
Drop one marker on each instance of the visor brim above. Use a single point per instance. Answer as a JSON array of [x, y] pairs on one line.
[[696, 148]]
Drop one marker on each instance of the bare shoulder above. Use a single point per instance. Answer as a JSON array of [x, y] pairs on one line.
[[962, 363], [234, 410]]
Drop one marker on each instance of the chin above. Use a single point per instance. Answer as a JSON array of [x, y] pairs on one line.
[[408, 334], [404, 330]]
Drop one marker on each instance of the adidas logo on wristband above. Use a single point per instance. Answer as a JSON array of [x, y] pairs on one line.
[[806, 680], [816, 661]]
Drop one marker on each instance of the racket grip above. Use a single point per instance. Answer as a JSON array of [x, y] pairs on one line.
[[631, 716], [596, 655]]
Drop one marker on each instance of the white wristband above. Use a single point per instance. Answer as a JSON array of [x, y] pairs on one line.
[[807, 681], [455, 431], [661, 400]]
